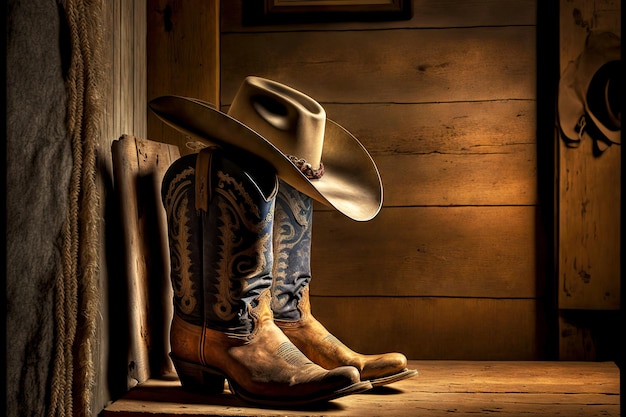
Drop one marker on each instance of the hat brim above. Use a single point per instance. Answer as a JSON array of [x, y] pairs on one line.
[[351, 182]]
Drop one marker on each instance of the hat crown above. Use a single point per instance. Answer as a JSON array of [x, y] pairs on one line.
[[290, 120], [283, 127]]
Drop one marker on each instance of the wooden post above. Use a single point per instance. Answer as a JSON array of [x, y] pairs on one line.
[[589, 202], [183, 57]]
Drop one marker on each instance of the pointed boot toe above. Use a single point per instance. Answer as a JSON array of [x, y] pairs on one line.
[[349, 381], [385, 369], [377, 366], [290, 296]]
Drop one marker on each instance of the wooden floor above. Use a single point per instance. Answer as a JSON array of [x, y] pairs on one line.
[[442, 388]]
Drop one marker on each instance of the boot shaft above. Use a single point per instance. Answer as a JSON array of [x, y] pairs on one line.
[[293, 217], [220, 210], [185, 239]]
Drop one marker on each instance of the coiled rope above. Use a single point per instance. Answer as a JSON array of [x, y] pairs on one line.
[[77, 294]]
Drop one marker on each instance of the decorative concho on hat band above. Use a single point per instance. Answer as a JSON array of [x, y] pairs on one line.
[[306, 168]]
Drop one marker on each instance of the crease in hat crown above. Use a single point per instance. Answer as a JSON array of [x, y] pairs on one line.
[[284, 126], [289, 119]]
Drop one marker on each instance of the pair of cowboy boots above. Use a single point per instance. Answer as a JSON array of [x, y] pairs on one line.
[[240, 250]]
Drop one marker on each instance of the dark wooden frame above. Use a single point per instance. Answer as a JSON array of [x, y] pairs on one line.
[[258, 12]]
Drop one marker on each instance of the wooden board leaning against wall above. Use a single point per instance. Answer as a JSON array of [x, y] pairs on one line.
[[446, 104]]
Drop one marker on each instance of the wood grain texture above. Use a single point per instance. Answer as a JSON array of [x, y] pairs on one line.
[[427, 251], [589, 186], [139, 166], [183, 54], [449, 153], [124, 59], [446, 104], [458, 128], [395, 66], [507, 178], [442, 388], [437, 327], [127, 62]]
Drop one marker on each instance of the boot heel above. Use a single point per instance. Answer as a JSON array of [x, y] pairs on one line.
[[197, 378]]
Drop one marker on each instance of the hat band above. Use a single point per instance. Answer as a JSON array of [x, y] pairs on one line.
[[306, 168]]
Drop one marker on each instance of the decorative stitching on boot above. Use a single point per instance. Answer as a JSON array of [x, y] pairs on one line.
[[291, 252], [240, 217], [292, 355], [176, 203]]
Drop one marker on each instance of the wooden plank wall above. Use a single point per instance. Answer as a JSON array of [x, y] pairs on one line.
[[446, 104], [124, 51], [147, 53], [183, 57]]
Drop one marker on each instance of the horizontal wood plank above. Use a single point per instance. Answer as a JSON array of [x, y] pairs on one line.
[[426, 14], [446, 104], [508, 176], [441, 388], [448, 153], [445, 128], [437, 328], [397, 66], [427, 251]]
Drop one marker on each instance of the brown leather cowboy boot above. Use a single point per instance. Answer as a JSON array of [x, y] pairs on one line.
[[290, 297], [220, 216]]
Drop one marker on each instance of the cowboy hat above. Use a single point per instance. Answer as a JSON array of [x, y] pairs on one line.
[[290, 130], [589, 92]]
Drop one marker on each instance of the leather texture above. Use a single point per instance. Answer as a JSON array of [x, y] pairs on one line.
[[263, 366], [290, 296], [221, 257]]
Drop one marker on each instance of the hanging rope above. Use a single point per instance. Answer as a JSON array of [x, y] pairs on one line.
[[77, 294]]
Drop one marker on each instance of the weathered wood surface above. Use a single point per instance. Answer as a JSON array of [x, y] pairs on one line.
[[445, 128], [126, 62], [139, 166], [505, 177], [589, 186], [449, 153], [394, 66], [437, 327], [183, 54], [441, 388], [589, 211], [427, 251], [446, 104], [124, 59]]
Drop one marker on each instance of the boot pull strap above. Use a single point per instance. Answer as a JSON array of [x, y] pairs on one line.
[[203, 177]]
